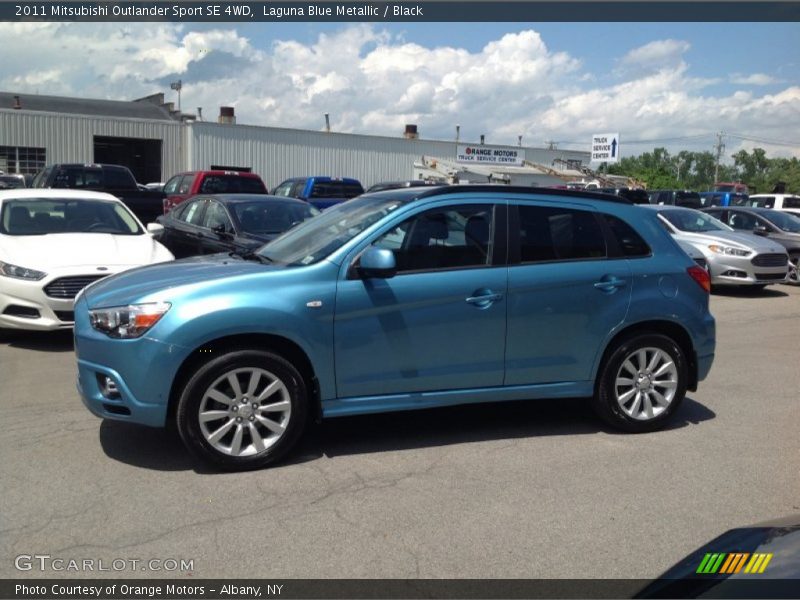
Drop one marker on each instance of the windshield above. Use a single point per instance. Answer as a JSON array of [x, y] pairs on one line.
[[271, 217], [693, 221], [42, 216], [317, 238], [783, 221]]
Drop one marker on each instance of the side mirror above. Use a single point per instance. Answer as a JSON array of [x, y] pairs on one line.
[[222, 232], [155, 229], [377, 263], [761, 230]]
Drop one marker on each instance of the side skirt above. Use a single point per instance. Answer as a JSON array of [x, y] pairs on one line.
[[341, 407]]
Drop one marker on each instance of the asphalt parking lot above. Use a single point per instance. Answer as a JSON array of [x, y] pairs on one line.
[[521, 490]]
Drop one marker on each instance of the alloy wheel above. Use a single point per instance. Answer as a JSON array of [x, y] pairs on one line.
[[244, 411], [646, 383]]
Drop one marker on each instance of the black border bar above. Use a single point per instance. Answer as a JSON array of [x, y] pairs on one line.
[[393, 589], [422, 11]]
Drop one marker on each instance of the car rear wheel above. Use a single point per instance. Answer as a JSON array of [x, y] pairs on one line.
[[642, 383], [243, 410]]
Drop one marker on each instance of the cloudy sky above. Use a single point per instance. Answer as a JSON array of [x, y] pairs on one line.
[[658, 84]]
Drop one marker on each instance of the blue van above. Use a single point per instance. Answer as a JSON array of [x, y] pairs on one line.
[[404, 299], [321, 192]]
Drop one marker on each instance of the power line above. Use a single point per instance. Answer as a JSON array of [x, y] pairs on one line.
[[654, 141], [761, 140]]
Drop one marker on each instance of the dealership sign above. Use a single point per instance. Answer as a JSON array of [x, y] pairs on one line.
[[605, 147], [490, 156]]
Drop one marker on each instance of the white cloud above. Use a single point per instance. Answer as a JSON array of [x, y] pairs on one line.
[[753, 79], [652, 57], [373, 82]]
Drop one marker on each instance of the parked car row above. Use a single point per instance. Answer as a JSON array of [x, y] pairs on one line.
[[737, 245]]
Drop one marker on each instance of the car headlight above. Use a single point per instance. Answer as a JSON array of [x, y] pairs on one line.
[[126, 322], [21, 272], [728, 250]]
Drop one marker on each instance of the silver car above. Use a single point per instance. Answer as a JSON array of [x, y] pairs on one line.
[[733, 258]]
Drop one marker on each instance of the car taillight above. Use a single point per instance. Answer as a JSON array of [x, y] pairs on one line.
[[701, 276]]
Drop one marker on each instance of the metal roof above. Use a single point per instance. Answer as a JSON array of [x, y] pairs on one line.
[[83, 106]]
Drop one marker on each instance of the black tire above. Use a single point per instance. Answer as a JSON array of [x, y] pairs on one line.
[[605, 402], [192, 397]]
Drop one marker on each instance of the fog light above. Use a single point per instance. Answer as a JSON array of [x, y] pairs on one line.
[[108, 387]]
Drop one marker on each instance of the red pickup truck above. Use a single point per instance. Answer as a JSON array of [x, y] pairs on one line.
[[184, 185]]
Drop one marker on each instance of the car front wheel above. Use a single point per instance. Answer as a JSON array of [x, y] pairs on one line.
[[642, 383], [243, 410]]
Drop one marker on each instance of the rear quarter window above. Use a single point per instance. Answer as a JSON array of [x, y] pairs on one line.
[[630, 243]]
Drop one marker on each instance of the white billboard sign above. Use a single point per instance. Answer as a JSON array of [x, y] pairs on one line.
[[605, 147], [484, 155]]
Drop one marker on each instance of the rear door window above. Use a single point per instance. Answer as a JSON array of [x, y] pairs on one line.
[[554, 234]]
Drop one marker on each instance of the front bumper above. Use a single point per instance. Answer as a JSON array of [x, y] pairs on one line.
[[142, 371], [25, 305], [740, 270]]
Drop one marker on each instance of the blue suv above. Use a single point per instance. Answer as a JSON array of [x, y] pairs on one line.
[[397, 300]]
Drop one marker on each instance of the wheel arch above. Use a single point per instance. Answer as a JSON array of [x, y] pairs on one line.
[[671, 329], [277, 344]]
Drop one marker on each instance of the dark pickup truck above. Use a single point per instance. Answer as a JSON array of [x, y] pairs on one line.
[[112, 179]]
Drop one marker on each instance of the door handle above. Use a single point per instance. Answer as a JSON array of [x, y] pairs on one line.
[[484, 299], [610, 284]]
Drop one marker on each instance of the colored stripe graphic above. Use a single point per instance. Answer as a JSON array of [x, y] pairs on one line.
[[734, 563], [758, 563], [711, 563], [729, 564]]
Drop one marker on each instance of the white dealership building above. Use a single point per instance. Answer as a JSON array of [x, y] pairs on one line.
[[155, 141]]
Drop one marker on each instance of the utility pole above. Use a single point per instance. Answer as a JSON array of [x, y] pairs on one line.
[[720, 148]]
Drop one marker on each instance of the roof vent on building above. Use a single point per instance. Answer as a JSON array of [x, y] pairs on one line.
[[483, 139], [411, 132], [17, 103], [226, 115]]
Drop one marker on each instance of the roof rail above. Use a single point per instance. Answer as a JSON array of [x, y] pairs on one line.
[[513, 189]]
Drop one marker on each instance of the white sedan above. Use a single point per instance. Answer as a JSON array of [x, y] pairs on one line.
[[53, 243]]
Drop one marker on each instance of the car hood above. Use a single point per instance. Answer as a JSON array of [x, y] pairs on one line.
[[157, 281], [257, 239], [733, 238], [781, 538], [57, 250]]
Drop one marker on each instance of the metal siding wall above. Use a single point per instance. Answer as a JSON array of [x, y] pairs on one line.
[[70, 138], [273, 153], [277, 154]]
